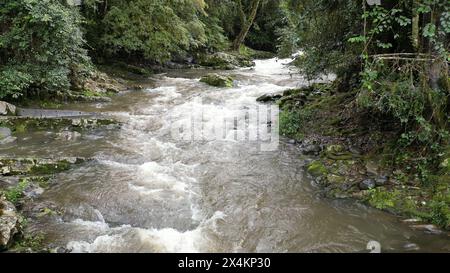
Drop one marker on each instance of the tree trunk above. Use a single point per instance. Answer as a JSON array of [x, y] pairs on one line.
[[248, 24], [415, 27]]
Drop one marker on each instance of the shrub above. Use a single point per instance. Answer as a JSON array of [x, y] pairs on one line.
[[41, 47]]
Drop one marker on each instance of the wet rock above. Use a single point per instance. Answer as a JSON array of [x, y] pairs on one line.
[[9, 222], [312, 149], [68, 135], [8, 140], [60, 250], [317, 168], [411, 247], [355, 150], [430, 229], [381, 181], [7, 109], [412, 220], [33, 191], [335, 149], [5, 132], [292, 141], [367, 184], [372, 167], [217, 80], [222, 60], [292, 101], [100, 83], [268, 98], [333, 178], [37, 166]]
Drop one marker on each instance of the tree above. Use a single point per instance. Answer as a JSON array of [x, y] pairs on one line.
[[246, 21], [152, 30], [41, 47]]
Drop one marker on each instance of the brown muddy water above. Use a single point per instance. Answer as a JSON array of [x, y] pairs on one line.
[[148, 191]]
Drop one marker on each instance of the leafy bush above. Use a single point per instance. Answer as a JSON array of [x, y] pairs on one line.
[[41, 47]]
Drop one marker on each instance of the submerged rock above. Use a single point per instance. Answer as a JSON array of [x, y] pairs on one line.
[[217, 80], [430, 229], [9, 222], [68, 135]]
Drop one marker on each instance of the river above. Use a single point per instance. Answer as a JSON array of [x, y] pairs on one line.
[[150, 191]]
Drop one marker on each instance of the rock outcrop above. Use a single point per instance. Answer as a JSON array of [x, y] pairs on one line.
[[9, 222], [222, 60], [217, 80], [7, 109]]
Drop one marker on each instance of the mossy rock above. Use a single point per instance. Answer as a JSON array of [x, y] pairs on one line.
[[217, 80], [226, 61], [317, 168], [335, 179]]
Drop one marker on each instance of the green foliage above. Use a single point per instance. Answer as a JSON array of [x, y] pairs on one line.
[[14, 194], [33, 242], [321, 30], [291, 121], [380, 198], [41, 47], [157, 30]]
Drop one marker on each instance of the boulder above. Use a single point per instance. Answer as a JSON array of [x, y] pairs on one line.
[[381, 181], [312, 149], [317, 168], [269, 98], [5, 136], [367, 184], [217, 80], [9, 222], [5, 132], [7, 109], [222, 60]]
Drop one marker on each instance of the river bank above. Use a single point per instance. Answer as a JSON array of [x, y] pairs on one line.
[[358, 157]]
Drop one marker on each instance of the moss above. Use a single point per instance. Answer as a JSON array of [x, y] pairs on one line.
[[29, 242], [317, 168], [333, 178], [14, 194], [42, 181], [381, 198], [50, 105], [51, 168], [91, 93], [217, 80], [21, 127], [47, 212]]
